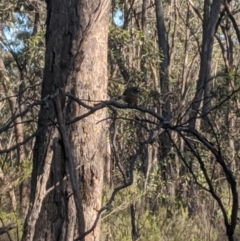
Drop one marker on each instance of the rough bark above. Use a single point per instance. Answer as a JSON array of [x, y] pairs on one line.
[[68, 161], [89, 137]]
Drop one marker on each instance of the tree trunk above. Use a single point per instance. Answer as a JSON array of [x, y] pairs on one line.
[[202, 95], [163, 46], [68, 160]]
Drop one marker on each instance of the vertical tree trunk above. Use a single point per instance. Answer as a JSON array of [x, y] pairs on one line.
[[164, 89], [89, 137], [163, 46], [68, 160], [202, 95]]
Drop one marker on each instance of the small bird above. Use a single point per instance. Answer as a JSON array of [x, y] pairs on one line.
[[130, 95]]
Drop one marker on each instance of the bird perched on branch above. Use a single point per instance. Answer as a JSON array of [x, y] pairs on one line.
[[130, 95]]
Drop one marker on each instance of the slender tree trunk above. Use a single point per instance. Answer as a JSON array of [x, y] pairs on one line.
[[163, 46], [18, 131], [202, 95], [164, 90], [68, 159]]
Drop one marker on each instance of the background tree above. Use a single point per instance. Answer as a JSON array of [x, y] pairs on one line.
[[185, 29], [173, 158], [22, 57]]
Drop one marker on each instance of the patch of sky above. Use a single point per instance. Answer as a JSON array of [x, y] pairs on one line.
[[16, 32], [118, 18]]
